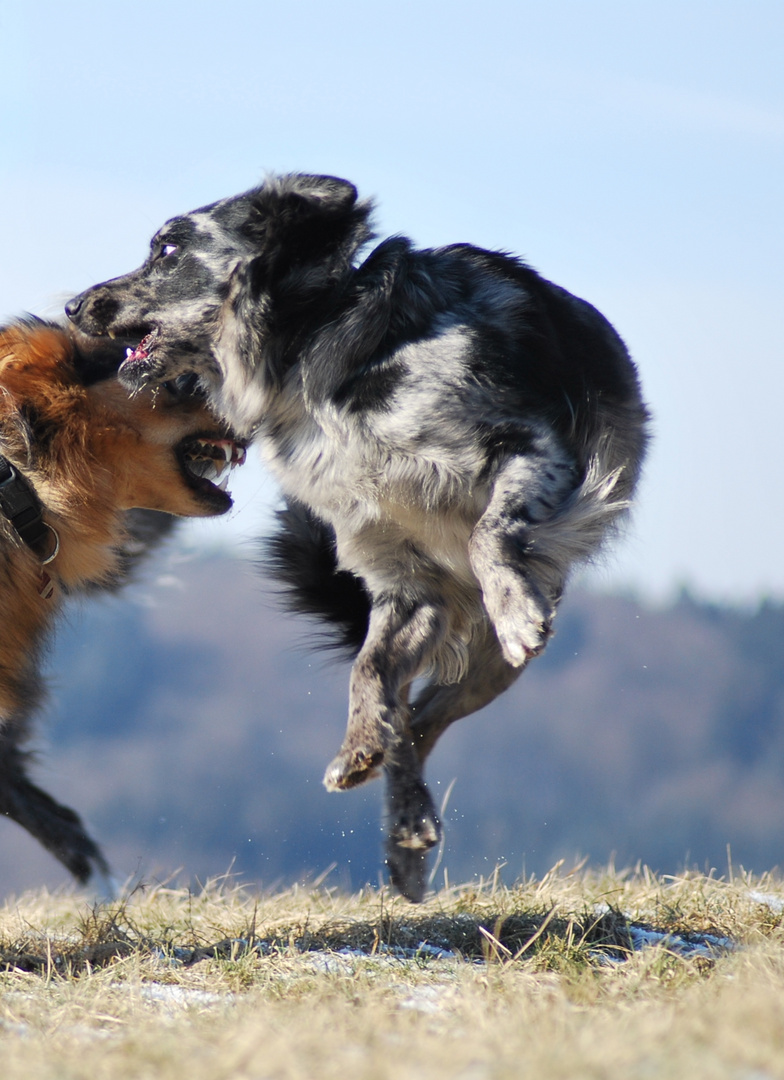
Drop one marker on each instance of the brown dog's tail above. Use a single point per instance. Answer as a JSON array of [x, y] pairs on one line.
[[301, 559]]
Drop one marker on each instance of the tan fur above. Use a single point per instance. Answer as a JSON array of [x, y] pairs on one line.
[[108, 452], [91, 453]]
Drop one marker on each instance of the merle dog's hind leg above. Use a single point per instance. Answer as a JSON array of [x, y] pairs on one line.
[[515, 550], [56, 827], [400, 640], [412, 822]]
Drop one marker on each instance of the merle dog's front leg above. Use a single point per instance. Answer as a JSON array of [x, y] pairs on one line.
[[400, 641], [412, 824]]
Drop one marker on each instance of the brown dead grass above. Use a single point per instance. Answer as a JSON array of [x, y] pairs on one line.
[[314, 983]]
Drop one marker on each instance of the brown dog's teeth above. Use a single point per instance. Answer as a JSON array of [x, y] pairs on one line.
[[213, 460]]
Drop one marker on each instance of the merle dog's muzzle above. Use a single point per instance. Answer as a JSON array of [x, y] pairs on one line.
[[109, 310], [95, 311]]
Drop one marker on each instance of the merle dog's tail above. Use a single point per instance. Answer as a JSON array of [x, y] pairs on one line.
[[301, 559]]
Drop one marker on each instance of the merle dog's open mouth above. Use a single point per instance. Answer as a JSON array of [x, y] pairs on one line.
[[206, 464], [141, 354]]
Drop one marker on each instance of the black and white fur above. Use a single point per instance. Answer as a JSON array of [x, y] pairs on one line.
[[460, 429]]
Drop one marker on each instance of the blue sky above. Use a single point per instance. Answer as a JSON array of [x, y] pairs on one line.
[[632, 152]]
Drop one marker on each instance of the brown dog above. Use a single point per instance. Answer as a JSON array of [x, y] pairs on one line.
[[77, 453]]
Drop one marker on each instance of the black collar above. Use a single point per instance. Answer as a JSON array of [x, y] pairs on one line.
[[22, 507]]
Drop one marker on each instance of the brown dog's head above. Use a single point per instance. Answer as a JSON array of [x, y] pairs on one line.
[[165, 449], [87, 446]]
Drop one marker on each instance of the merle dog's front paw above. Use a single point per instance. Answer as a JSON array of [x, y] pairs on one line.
[[413, 829], [523, 624], [407, 872], [521, 643], [352, 767], [406, 855]]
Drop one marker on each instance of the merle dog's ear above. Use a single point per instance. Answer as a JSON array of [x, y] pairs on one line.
[[325, 193], [298, 219], [303, 195]]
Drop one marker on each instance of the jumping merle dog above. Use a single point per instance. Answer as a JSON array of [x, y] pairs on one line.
[[453, 432]]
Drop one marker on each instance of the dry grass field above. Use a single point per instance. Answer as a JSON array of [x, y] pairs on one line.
[[581, 974]]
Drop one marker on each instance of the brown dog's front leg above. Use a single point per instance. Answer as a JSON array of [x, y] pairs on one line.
[[400, 641]]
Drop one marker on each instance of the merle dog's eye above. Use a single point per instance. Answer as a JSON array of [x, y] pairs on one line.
[[163, 251]]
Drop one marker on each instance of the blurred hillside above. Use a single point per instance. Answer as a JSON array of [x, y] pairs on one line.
[[190, 723]]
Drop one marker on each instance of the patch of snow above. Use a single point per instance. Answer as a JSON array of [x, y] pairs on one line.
[[427, 999], [775, 903], [422, 950], [683, 944], [334, 963], [180, 996], [343, 962], [7, 1027], [173, 998]]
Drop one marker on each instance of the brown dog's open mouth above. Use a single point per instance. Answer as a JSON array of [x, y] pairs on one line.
[[207, 463]]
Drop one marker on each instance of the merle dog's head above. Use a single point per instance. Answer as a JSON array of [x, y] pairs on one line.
[[217, 279]]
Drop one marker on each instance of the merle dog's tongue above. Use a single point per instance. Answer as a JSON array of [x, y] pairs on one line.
[[142, 350]]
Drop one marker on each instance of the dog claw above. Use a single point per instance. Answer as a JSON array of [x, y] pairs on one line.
[[352, 768], [518, 651], [521, 640], [407, 857], [419, 835]]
